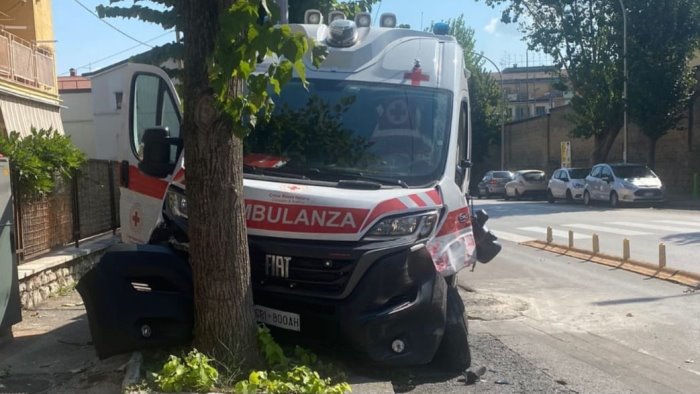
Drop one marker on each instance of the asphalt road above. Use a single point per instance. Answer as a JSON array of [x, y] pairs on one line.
[[644, 227]]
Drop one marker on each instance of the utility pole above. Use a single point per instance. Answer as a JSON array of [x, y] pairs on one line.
[[624, 86]]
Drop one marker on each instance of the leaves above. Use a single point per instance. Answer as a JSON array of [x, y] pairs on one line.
[[192, 372], [40, 158]]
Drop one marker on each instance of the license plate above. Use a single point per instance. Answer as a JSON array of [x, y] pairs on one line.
[[278, 318], [648, 194]]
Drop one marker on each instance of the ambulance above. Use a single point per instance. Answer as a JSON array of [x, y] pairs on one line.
[[355, 202]]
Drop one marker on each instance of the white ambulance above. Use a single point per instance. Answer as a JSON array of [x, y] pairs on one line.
[[354, 194]]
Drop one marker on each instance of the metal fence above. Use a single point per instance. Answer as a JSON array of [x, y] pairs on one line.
[[23, 62], [85, 206]]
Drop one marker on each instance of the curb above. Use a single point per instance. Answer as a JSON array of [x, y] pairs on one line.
[[668, 274], [132, 375]]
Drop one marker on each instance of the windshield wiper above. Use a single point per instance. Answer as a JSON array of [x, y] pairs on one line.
[[359, 176], [266, 171]]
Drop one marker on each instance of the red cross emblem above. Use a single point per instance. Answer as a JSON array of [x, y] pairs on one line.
[[416, 76], [136, 219]]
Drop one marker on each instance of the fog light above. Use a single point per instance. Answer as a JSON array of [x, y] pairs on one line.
[[146, 331], [398, 346]]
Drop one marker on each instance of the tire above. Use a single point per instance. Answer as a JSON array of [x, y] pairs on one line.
[[517, 195], [550, 196], [453, 353], [587, 198], [614, 200], [569, 196], [488, 195]]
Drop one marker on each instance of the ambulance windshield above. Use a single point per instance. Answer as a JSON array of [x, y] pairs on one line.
[[339, 130]]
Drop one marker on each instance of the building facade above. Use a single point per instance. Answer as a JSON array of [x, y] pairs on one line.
[[28, 86], [530, 91]]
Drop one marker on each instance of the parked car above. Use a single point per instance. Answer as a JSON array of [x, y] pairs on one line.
[[527, 183], [618, 183], [493, 183], [567, 183]]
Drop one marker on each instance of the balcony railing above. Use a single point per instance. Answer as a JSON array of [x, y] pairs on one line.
[[26, 64]]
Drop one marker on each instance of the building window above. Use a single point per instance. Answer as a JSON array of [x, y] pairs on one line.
[[539, 110]]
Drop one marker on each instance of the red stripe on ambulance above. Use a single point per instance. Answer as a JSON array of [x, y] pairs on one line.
[[455, 222], [263, 215], [147, 185]]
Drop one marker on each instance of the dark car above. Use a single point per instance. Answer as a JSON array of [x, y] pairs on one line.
[[494, 183]]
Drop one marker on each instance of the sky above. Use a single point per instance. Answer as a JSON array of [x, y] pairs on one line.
[[86, 43]]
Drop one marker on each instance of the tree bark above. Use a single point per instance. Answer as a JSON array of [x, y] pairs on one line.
[[602, 143], [651, 153], [225, 325]]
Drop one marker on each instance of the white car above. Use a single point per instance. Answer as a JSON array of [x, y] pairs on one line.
[[619, 183], [567, 184], [527, 183]]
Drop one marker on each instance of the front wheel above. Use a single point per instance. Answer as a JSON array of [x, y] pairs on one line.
[[453, 353], [614, 200], [550, 196], [569, 196], [517, 195], [586, 198]]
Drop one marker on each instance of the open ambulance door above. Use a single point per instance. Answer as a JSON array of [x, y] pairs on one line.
[[153, 107]]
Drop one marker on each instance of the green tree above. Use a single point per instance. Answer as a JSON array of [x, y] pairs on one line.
[[586, 43], [662, 38], [223, 39], [485, 95]]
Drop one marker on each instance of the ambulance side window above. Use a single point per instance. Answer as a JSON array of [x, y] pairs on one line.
[[152, 105], [462, 143]]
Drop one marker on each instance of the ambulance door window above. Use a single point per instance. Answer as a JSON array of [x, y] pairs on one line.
[[153, 105], [462, 144]]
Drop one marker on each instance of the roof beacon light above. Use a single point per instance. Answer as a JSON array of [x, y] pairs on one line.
[[441, 29], [343, 33], [363, 19], [335, 15], [387, 19], [313, 17]]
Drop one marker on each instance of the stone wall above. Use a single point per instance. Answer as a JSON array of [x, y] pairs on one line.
[[36, 288], [535, 143]]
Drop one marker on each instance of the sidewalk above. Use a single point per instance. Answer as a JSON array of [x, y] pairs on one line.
[[682, 201]]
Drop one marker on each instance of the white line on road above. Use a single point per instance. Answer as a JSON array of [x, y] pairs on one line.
[[673, 229], [557, 233], [512, 237], [679, 222], [605, 229]]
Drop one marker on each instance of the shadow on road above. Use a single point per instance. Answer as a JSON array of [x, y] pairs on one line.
[[639, 300], [683, 239]]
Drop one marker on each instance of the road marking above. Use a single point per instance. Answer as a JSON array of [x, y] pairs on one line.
[[511, 237], [674, 229], [606, 229], [557, 233], [679, 222]]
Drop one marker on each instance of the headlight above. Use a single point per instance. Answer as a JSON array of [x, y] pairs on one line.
[[628, 185], [578, 185], [405, 225], [176, 203]]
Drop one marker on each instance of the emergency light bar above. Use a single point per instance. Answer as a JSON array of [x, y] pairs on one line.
[[335, 15], [313, 17], [387, 19], [363, 19]]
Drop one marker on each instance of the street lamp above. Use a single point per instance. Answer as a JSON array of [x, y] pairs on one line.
[[624, 82], [503, 111]]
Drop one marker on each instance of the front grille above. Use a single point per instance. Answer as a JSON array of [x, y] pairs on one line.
[[648, 193], [322, 275]]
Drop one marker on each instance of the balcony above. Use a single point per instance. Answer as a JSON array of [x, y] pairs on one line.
[[25, 64]]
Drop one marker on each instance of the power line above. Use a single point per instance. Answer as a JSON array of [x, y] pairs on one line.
[[118, 53], [111, 25]]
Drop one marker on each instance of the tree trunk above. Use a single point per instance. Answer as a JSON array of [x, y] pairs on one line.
[[225, 325], [602, 143], [651, 153]]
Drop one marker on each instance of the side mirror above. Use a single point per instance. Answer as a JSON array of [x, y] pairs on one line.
[[461, 170], [160, 152], [607, 178]]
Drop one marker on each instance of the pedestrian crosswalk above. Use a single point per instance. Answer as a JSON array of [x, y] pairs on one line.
[[586, 230]]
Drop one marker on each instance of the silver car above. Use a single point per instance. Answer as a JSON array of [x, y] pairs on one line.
[[527, 183], [619, 183], [567, 184]]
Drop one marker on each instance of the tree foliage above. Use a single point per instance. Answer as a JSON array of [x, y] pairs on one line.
[[486, 99], [585, 41], [40, 159], [662, 38]]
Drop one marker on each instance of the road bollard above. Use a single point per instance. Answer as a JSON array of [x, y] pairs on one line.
[[625, 249], [571, 239], [549, 235], [662, 255], [596, 244]]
